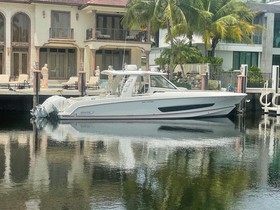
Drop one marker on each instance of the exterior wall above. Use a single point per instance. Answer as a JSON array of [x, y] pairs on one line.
[[79, 24], [155, 53], [227, 59], [135, 54]]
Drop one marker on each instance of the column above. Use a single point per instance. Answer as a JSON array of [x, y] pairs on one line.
[[94, 24], [93, 53]]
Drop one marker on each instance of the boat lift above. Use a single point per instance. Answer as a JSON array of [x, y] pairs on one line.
[[271, 106]]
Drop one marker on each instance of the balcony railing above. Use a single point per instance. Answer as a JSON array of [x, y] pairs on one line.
[[256, 39], [116, 34], [61, 33]]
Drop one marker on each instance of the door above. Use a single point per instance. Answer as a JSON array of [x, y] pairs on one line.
[[1, 62], [20, 63], [57, 64]]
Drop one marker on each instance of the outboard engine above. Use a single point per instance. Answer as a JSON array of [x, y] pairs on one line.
[[51, 105]]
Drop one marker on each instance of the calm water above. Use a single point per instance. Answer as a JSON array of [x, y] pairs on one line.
[[216, 163]]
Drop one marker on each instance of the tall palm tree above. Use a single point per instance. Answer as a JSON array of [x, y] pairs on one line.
[[159, 14], [225, 19]]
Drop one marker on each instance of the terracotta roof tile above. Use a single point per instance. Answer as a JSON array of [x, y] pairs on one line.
[[70, 2], [108, 2], [118, 3], [16, 1]]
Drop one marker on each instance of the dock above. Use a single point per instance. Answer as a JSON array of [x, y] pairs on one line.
[[21, 100]]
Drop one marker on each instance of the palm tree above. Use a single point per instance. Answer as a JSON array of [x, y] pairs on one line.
[[184, 53], [159, 14], [227, 20]]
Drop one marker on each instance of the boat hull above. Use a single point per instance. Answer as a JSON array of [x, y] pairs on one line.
[[157, 106]]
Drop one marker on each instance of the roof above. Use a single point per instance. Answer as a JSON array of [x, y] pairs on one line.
[[264, 8], [120, 3], [117, 3], [66, 2]]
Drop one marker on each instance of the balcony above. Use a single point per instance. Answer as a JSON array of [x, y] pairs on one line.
[[61, 33], [256, 39], [116, 34]]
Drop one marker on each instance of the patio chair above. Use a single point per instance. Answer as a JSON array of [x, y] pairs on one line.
[[21, 82], [93, 82], [4, 80], [71, 83], [102, 36]]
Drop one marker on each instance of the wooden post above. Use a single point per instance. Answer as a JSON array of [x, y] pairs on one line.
[[240, 83], [82, 83], [36, 86], [241, 88], [204, 81]]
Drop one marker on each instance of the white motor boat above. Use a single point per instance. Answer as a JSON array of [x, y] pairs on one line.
[[137, 94]]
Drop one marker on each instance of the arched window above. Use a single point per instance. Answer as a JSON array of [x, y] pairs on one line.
[[2, 27], [21, 25], [2, 42]]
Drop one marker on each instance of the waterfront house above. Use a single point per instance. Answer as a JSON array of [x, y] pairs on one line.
[[69, 36]]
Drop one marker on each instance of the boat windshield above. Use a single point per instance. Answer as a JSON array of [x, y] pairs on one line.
[[161, 82]]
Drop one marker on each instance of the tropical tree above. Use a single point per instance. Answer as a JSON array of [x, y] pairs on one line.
[[227, 20], [167, 14], [183, 53]]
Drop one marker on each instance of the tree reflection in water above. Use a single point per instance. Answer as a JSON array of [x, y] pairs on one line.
[[190, 164]]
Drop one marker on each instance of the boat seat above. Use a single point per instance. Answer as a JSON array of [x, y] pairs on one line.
[[143, 89]]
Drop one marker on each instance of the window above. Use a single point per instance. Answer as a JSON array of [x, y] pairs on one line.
[[110, 26], [276, 39], [249, 58], [108, 22], [160, 82], [21, 24], [2, 26], [60, 26]]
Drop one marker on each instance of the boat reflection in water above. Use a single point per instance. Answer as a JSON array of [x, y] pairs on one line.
[[206, 131], [128, 137]]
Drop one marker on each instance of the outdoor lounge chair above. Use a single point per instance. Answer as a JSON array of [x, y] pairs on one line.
[[4, 80], [71, 83], [21, 82], [102, 36], [93, 82]]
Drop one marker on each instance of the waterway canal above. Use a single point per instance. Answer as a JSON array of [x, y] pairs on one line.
[[218, 163]]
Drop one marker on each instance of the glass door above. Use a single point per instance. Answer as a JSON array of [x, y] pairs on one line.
[[20, 63], [1, 62], [57, 64]]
